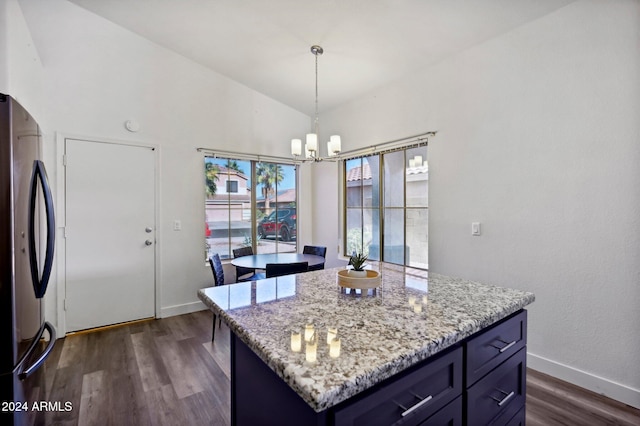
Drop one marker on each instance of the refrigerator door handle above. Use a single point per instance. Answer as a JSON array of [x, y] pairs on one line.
[[26, 372], [40, 284]]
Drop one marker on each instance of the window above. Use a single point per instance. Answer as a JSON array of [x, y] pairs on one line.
[[386, 206], [232, 186], [277, 224], [249, 203]]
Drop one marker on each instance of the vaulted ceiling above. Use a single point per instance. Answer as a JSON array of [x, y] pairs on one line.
[[265, 45]]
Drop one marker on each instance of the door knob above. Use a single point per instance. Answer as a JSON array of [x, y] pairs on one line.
[[148, 229], [148, 242]]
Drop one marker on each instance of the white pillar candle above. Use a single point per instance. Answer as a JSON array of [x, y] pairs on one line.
[[296, 341], [412, 300], [417, 308], [311, 350], [332, 333], [412, 163], [418, 159], [308, 332], [425, 299], [334, 348]]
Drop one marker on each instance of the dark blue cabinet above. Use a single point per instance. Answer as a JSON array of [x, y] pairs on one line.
[[450, 415], [488, 349], [479, 381], [410, 398], [495, 376], [496, 398]]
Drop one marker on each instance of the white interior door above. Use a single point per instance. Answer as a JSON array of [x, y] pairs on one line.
[[110, 233]]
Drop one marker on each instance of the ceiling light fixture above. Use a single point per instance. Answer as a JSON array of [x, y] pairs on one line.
[[311, 142]]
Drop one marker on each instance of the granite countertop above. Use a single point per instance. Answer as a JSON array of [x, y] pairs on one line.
[[412, 316]]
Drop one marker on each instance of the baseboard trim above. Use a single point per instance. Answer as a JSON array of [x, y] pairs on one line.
[[185, 308], [602, 386]]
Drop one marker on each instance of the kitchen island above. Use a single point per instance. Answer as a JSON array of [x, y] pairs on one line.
[[422, 347]]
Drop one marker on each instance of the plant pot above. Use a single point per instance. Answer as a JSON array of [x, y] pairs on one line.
[[358, 274], [371, 279]]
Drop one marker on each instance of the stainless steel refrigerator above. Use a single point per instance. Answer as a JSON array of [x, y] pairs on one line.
[[27, 232]]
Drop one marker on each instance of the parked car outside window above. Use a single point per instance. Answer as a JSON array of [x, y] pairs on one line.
[[279, 223]]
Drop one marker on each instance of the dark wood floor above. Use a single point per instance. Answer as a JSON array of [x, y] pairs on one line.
[[551, 401], [167, 372]]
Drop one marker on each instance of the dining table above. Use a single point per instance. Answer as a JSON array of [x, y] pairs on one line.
[[259, 261]]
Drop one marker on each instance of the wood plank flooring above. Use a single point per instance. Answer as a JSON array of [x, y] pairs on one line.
[[167, 372], [551, 401]]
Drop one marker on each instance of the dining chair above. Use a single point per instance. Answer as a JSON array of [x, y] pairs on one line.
[[279, 269], [218, 279], [318, 251], [246, 274]]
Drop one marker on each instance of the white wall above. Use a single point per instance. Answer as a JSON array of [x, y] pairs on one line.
[[20, 76], [4, 46], [98, 75], [539, 141]]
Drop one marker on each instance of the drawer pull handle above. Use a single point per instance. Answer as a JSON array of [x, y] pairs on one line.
[[416, 406], [504, 400], [504, 348]]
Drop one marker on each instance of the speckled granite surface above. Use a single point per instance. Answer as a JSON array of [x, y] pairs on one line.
[[411, 317]]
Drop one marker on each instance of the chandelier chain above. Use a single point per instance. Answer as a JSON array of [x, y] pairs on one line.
[[316, 117]]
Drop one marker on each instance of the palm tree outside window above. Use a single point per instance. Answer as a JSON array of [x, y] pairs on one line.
[[249, 203]]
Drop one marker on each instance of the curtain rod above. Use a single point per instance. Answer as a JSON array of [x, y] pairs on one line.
[[420, 139], [219, 153]]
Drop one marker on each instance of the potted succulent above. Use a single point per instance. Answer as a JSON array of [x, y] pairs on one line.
[[357, 261], [356, 276]]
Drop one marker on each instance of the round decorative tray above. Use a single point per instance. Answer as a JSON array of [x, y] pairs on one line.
[[372, 280]]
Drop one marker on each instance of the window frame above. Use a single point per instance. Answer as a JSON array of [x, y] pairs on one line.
[[253, 200], [232, 186], [381, 208]]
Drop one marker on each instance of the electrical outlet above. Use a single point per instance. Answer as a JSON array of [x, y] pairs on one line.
[[177, 225]]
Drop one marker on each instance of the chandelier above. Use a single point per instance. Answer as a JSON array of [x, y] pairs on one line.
[[311, 141]]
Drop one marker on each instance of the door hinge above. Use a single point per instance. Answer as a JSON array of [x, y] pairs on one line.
[[64, 232], [64, 303], [64, 160]]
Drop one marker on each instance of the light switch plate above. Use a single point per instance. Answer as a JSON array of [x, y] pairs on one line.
[[475, 228]]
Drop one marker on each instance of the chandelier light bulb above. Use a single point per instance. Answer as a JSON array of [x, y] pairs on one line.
[[336, 144], [296, 147], [330, 149], [312, 142]]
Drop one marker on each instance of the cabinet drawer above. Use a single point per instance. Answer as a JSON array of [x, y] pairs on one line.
[[487, 350], [417, 394], [496, 398], [450, 415], [518, 419]]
